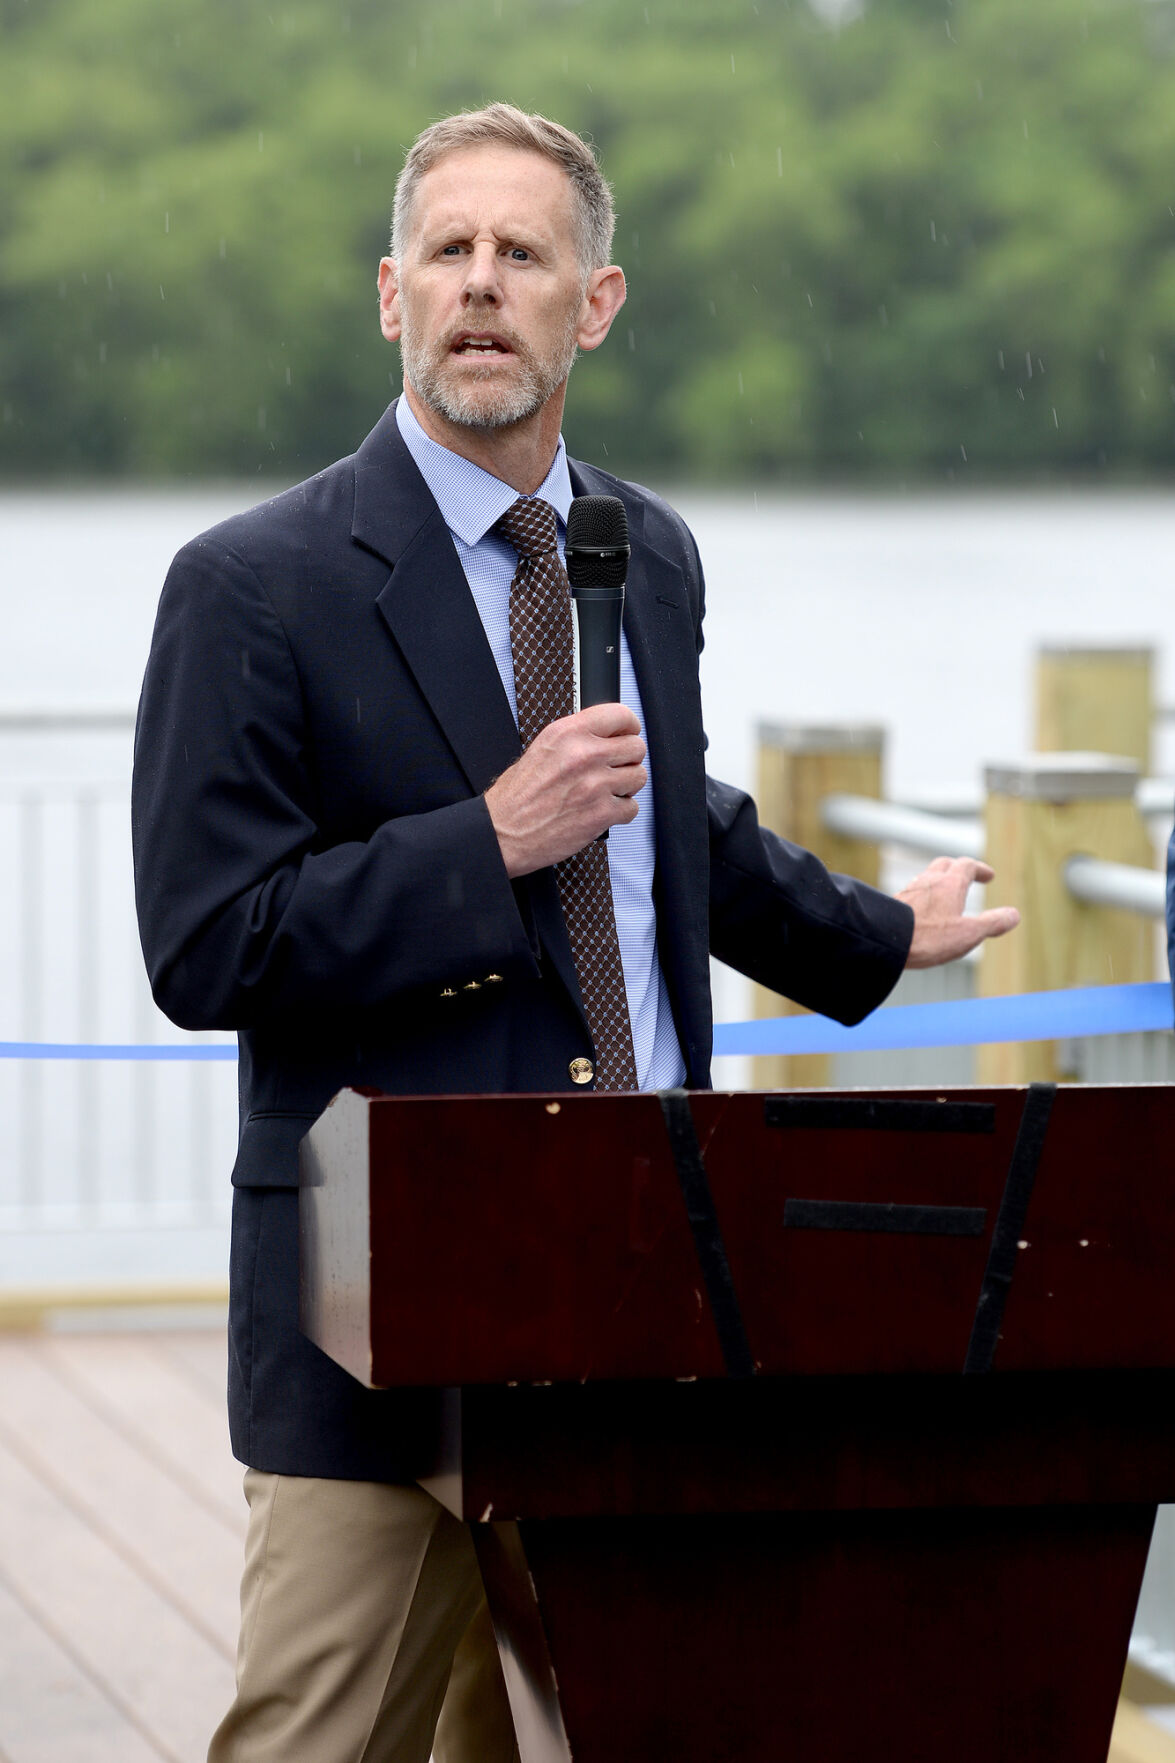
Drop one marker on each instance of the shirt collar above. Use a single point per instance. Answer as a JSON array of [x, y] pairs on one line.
[[471, 499]]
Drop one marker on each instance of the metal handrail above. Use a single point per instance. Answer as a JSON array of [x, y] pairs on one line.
[[1097, 882], [1154, 799], [52, 719], [888, 823], [1092, 880], [957, 833]]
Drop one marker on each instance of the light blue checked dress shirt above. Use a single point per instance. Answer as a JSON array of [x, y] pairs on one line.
[[471, 501]]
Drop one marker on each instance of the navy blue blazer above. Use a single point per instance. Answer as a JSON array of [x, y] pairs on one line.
[[316, 869]]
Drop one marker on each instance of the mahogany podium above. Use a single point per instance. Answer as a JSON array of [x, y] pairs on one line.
[[813, 1426]]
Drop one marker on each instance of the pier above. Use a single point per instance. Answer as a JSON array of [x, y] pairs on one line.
[[121, 1516]]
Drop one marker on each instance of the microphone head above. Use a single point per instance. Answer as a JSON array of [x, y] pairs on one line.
[[597, 542]]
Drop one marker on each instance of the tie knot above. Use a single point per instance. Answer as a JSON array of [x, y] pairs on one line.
[[530, 527]]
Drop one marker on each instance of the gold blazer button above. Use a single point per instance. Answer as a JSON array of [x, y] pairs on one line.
[[472, 985], [449, 992], [581, 1071]]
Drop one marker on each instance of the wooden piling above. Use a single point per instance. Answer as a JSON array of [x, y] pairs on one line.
[[1095, 700], [798, 766], [1041, 811]]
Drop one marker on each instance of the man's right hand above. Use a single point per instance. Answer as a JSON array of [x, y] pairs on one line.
[[577, 777]]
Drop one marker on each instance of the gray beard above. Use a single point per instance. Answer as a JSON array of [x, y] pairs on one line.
[[475, 402]]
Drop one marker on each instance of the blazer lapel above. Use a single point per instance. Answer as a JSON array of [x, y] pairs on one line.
[[428, 608]]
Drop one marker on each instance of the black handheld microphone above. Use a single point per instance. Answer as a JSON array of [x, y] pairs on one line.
[[597, 563]]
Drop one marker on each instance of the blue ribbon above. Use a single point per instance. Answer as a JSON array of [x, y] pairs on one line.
[[1029, 1016]]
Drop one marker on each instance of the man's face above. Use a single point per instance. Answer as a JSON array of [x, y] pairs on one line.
[[488, 301]]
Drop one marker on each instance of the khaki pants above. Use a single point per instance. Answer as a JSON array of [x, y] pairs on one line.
[[363, 1622]]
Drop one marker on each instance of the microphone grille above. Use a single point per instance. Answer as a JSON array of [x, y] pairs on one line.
[[597, 521]]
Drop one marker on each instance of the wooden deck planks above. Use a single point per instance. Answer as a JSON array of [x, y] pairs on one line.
[[121, 1520], [1138, 1739], [50, 1710], [139, 1382], [202, 1359], [188, 1547]]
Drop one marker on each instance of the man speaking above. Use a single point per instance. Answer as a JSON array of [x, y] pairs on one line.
[[368, 837]]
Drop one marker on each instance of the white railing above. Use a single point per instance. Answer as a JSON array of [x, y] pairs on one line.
[[65, 719], [110, 1172], [1099, 883], [1154, 799], [889, 823], [1090, 879]]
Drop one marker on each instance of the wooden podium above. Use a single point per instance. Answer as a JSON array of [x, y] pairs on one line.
[[806, 1427]]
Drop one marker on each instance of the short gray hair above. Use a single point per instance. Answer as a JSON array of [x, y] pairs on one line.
[[504, 125]]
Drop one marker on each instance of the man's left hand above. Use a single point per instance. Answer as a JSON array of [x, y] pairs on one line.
[[942, 931]]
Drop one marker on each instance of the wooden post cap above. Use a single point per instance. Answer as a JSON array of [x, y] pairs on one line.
[[1139, 653], [806, 737], [1063, 777]]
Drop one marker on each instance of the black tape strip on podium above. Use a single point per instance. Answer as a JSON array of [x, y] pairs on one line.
[[876, 1114], [1009, 1227], [708, 1243], [891, 1218]]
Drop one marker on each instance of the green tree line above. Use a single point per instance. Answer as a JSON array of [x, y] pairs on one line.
[[932, 240]]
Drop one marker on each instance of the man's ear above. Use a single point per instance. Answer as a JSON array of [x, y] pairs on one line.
[[389, 299], [605, 296]]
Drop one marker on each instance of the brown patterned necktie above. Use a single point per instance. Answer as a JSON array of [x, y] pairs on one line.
[[543, 650]]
